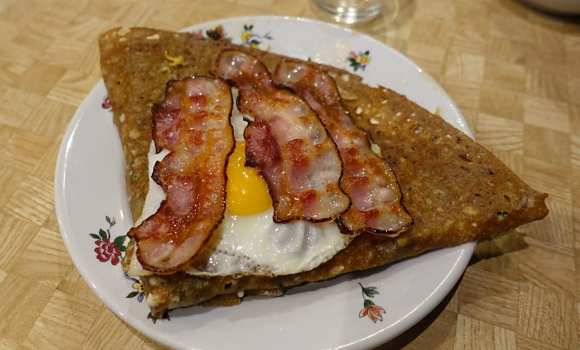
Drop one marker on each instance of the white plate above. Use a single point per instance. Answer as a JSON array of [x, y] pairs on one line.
[[90, 185]]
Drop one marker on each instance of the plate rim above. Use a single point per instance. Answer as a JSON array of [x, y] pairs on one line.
[[465, 250]]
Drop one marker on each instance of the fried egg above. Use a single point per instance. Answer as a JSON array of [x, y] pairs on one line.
[[250, 242]]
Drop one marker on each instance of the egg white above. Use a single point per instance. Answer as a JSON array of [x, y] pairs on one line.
[[254, 244]]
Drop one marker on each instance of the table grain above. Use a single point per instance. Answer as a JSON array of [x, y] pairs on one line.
[[514, 72]]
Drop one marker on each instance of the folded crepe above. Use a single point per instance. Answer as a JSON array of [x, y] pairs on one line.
[[455, 190]]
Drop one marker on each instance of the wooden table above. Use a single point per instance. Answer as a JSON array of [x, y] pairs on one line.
[[514, 72]]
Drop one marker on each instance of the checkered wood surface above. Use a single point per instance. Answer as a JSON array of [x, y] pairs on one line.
[[514, 72]]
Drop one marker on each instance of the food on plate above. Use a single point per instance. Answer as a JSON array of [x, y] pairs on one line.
[[367, 179], [454, 189], [248, 241], [192, 123], [286, 141]]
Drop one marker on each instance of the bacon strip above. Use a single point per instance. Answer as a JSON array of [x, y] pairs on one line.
[[192, 123], [286, 142], [369, 182]]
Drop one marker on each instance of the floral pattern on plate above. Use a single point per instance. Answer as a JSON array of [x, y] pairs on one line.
[[251, 39], [370, 309], [359, 60], [114, 252], [138, 289], [106, 249]]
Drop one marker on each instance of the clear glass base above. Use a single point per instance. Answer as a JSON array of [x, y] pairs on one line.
[[351, 11]]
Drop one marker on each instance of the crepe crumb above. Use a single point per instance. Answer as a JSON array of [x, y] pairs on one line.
[[501, 215], [154, 300], [376, 149], [272, 293], [174, 60], [138, 161], [346, 95], [402, 241], [337, 269], [469, 210], [134, 134]]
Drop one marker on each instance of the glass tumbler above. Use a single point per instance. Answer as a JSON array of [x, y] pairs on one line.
[[351, 11]]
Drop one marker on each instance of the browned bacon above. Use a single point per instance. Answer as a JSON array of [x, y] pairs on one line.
[[192, 123], [286, 142], [369, 182]]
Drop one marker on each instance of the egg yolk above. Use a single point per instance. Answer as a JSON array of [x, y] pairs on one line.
[[247, 192]]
